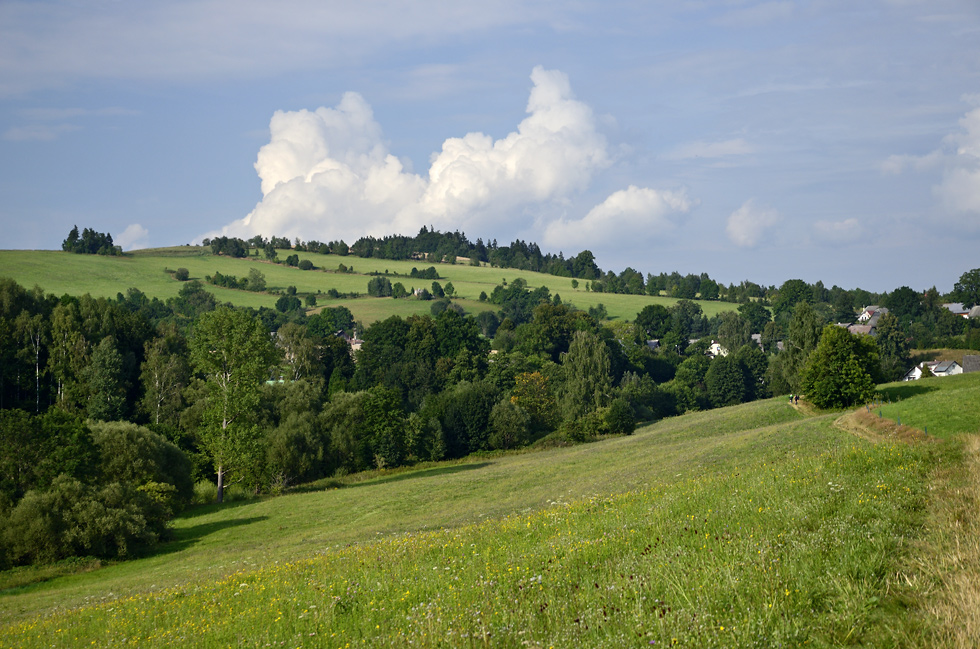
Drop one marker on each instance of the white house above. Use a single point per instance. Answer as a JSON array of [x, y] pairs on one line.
[[715, 349], [938, 368], [872, 312], [947, 368]]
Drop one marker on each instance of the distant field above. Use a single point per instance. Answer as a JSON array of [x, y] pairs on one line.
[[59, 273]]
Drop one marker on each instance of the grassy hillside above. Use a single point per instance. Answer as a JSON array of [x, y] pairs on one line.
[[58, 272], [756, 525]]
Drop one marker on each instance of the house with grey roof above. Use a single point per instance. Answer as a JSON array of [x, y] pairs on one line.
[[957, 308], [936, 368]]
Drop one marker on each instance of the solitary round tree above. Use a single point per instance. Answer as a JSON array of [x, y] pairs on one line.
[[841, 371]]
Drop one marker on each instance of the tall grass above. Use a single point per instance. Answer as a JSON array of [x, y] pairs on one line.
[[791, 534]]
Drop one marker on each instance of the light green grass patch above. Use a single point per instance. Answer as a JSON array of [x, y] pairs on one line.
[[943, 406], [59, 273]]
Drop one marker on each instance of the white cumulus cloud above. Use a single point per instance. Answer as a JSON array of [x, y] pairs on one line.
[[750, 223], [960, 188], [134, 237], [635, 213], [327, 174]]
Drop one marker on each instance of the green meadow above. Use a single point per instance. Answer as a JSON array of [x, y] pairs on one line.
[[758, 525], [151, 272]]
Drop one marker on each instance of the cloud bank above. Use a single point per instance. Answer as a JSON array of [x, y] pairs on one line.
[[327, 174], [958, 191], [134, 237]]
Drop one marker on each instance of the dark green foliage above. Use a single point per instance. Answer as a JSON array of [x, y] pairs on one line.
[[488, 322], [229, 246], [438, 306], [379, 287], [288, 303], [89, 243], [297, 450], [756, 314], [305, 264], [192, 300], [510, 426], [182, 274], [967, 290], [893, 347], [256, 280], [620, 418], [137, 456], [73, 519], [463, 413], [734, 331], [653, 321], [687, 320], [755, 365], [791, 293], [517, 302], [904, 303], [841, 371], [428, 273], [598, 312], [398, 291], [725, 381], [586, 378], [36, 449], [105, 378], [330, 321], [804, 333]]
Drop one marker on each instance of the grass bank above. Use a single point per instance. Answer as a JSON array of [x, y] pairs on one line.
[[746, 526]]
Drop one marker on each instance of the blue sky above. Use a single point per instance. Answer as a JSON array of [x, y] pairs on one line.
[[823, 140]]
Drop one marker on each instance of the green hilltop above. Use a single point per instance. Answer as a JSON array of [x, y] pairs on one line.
[[151, 271]]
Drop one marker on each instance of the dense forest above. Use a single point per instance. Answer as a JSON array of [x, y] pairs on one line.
[[112, 410]]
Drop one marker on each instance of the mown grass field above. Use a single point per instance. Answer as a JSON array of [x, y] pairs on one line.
[[757, 525], [59, 273]]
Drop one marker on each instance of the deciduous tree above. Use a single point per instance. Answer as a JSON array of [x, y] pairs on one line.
[[841, 371], [234, 353]]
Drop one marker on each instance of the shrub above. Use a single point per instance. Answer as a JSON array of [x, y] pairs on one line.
[[137, 456], [182, 275], [379, 287], [620, 419], [72, 519], [510, 426], [306, 264]]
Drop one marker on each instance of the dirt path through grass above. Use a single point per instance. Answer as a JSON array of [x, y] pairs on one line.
[[944, 572]]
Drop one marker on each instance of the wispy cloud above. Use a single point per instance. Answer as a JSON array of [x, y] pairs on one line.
[[38, 132], [845, 231], [703, 149]]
